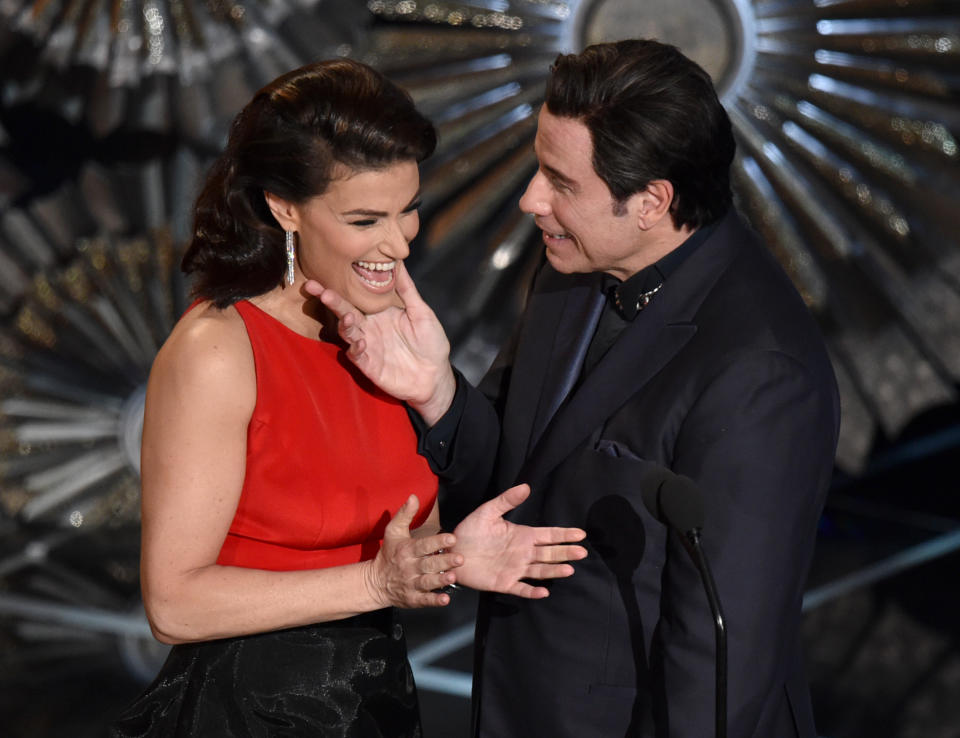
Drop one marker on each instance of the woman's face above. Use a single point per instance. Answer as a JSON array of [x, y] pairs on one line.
[[352, 236]]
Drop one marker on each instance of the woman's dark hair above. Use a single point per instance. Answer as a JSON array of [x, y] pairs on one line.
[[652, 114], [288, 140]]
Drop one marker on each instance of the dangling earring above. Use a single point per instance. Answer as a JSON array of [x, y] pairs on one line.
[[291, 256]]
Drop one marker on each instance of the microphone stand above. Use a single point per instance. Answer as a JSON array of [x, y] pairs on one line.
[[695, 549], [676, 500]]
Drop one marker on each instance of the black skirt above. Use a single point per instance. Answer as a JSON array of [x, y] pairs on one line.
[[343, 679]]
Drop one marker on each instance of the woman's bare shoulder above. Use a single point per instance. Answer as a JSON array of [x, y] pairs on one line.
[[208, 347]]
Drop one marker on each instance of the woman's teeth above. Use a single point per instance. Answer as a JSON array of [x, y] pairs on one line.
[[377, 266], [372, 267]]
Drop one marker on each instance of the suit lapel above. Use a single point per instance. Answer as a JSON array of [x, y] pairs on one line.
[[572, 339], [557, 330], [640, 352]]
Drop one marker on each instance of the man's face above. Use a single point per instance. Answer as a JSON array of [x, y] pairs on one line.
[[574, 207]]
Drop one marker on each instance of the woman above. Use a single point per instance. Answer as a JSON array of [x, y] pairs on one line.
[[271, 468]]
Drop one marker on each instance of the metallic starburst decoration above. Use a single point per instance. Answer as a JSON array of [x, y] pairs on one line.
[[75, 353], [846, 115], [170, 66]]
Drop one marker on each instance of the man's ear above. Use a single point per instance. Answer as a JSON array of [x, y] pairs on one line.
[[653, 203], [285, 212]]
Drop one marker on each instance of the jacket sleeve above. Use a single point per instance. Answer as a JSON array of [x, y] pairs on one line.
[[462, 446], [471, 438], [759, 441]]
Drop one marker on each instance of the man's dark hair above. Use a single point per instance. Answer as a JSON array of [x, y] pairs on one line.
[[289, 141], [652, 114]]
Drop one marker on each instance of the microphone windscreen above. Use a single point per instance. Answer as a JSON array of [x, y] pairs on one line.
[[682, 503], [650, 485]]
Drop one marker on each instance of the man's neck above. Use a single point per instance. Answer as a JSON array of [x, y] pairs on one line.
[[657, 243]]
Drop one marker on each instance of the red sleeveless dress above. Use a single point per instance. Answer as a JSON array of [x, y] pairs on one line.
[[330, 458]]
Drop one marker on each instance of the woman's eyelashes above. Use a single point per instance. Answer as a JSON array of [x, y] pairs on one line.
[[367, 222]]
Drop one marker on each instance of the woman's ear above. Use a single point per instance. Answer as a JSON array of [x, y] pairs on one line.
[[653, 203], [284, 211]]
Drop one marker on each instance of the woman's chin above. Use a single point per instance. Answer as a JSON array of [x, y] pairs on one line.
[[369, 304]]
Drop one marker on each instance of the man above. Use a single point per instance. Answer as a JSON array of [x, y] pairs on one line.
[[658, 334]]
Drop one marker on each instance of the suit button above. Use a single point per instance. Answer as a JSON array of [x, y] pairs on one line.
[[397, 631]]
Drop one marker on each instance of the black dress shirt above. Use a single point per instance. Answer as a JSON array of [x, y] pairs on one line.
[[627, 299]]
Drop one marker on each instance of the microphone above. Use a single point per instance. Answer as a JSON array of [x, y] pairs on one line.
[[675, 500]]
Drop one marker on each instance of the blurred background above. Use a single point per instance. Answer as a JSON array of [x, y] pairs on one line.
[[846, 112]]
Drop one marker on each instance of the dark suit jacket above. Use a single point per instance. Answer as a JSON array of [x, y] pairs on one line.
[[723, 378]]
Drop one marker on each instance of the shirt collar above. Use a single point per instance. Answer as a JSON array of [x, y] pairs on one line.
[[631, 296]]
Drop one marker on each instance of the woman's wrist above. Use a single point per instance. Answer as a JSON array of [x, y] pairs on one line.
[[376, 592]]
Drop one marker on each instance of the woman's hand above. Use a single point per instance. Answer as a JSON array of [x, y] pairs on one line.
[[498, 554], [404, 351], [407, 571]]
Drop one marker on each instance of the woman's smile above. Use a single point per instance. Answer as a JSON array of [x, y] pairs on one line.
[[378, 275]]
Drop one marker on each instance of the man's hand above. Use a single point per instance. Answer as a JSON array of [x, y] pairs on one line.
[[498, 554], [404, 351]]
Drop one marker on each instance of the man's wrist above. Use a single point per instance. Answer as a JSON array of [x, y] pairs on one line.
[[440, 401], [435, 441]]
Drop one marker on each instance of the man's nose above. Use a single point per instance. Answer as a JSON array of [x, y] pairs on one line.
[[534, 199]]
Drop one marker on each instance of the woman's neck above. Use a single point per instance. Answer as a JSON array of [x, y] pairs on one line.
[[299, 311]]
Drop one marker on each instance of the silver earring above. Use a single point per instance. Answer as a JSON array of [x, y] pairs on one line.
[[291, 256]]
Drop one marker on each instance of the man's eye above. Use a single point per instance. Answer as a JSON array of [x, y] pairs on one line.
[[363, 223], [413, 207]]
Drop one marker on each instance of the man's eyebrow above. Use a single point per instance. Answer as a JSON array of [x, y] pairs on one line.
[[559, 176]]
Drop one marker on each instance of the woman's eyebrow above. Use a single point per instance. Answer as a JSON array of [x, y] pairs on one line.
[[380, 213], [363, 211]]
